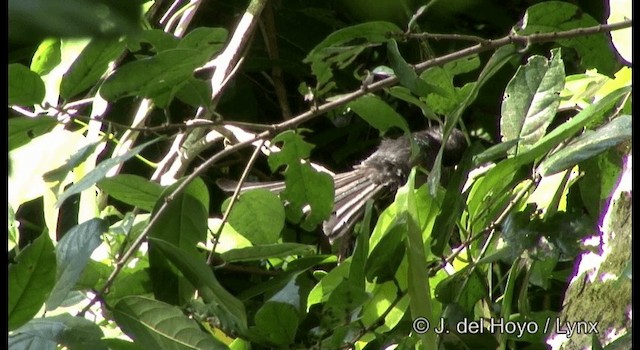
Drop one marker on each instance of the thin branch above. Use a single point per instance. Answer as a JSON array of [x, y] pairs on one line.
[[234, 198]]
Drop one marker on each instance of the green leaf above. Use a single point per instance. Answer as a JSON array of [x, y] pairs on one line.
[[183, 224], [100, 172], [152, 77], [531, 100], [501, 177], [231, 311], [600, 176], [588, 145], [203, 38], [31, 20], [304, 185], [407, 75], [25, 86], [92, 64], [46, 57], [464, 288], [378, 113], [448, 96], [31, 278], [342, 47], [60, 173], [156, 325], [258, 215], [386, 256], [23, 129], [132, 189], [158, 38], [72, 255], [267, 251], [195, 92], [74, 333], [277, 322], [557, 16], [494, 152]]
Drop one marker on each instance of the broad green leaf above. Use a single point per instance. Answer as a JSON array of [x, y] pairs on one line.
[[600, 176], [158, 38], [557, 16], [378, 113], [277, 322], [420, 301], [99, 172], [46, 57], [343, 300], [402, 93], [258, 215], [304, 185], [23, 129], [500, 177], [74, 333], [407, 75], [321, 291], [267, 251], [531, 100], [448, 96], [25, 86], [31, 20], [132, 189], [588, 145], [72, 255], [156, 325], [154, 76], [92, 64], [195, 92], [31, 278], [464, 288], [183, 224], [386, 256], [342, 47], [204, 38], [231, 312], [494, 152]]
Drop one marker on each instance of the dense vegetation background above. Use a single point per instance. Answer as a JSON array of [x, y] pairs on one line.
[[124, 114]]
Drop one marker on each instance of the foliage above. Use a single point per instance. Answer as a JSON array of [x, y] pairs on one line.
[[123, 115]]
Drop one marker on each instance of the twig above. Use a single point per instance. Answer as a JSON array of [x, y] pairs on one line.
[[234, 198]]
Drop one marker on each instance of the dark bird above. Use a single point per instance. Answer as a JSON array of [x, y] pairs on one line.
[[382, 173]]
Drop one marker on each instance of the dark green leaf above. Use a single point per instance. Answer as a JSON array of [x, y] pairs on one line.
[[156, 325], [158, 38], [267, 251], [557, 16], [600, 176], [60, 173], [72, 255], [75, 333], [183, 224], [25, 86], [152, 77], [386, 256], [24, 129], [378, 113], [407, 75], [464, 288], [195, 92], [31, 278], [231, 310], [277, 322], [494, 152], [258, 215], [304, 185], [31, 20], [132, 189], [531, 100], [204, 38], [100, 172], [92, 64], [588, 145]]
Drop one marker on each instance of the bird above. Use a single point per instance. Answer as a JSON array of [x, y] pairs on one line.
[[377, 176]]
